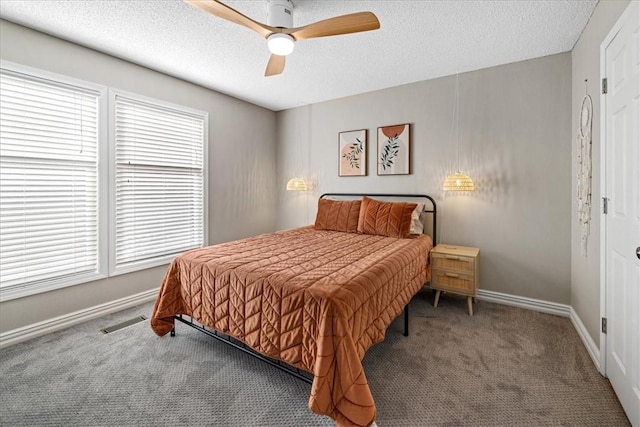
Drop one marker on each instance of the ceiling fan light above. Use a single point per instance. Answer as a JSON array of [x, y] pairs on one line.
[[280, 44]]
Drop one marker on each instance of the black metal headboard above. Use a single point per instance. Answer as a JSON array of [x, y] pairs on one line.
[[433, 210]]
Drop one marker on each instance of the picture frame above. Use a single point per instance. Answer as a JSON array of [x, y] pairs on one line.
[[394, 150], [352, 153]]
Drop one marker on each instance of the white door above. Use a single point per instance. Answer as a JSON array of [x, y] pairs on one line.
[[622, 222]]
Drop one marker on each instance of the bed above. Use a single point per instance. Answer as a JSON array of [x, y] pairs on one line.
[[314, 297]]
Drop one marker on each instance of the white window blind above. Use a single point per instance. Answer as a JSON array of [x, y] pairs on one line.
[[48, 181], [159, 183]]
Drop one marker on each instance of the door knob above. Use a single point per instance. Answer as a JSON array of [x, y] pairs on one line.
[[638, 252]]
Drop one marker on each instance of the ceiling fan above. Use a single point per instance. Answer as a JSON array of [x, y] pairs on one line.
[[279, 31]]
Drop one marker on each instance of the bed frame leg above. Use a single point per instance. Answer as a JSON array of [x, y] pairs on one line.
[[406, 320], [173, 332]]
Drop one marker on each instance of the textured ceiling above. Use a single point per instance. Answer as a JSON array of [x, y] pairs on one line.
[[418, 40]]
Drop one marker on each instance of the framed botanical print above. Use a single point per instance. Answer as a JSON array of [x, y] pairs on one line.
[[352, 152], [393, 150]]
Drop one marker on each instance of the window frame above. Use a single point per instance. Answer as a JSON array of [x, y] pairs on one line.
[[101, 272], [114, 269], [105, 183]]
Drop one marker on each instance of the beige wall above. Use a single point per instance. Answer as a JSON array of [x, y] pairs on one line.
[[515, 142], [242, 195], [585, 59]]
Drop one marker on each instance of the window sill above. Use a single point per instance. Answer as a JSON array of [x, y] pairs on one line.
[[21, 291]]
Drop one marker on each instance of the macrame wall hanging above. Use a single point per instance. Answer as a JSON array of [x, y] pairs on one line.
[[584, 169]]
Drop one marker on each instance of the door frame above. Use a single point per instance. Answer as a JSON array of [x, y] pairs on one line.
[[603, 181]]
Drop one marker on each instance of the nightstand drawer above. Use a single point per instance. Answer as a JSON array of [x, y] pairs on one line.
[[452, 262], [459, 283]]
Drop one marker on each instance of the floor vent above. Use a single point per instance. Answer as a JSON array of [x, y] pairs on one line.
[[123, 324]]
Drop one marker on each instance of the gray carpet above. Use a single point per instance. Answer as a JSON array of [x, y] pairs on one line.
[[503, 366]]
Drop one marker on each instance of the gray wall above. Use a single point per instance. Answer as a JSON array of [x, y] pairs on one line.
[[585, 59], [515, 142], [242, 196]]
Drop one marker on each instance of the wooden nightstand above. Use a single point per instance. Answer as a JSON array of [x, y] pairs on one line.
[[455, 269]]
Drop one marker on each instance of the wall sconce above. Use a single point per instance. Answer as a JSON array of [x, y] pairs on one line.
[[458, 181], [297, 184]]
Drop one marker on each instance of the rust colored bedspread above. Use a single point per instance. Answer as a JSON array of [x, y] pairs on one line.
[[314, 299]]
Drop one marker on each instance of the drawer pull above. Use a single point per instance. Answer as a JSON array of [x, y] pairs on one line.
[[452, 257], [451, 275]]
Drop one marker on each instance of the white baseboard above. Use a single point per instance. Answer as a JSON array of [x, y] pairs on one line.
[[588, 342], [563, 310], [524, 302], [34, 330], [51, 325]]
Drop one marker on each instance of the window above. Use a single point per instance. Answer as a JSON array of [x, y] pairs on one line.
[[158, 196], [93, 184], [49, 181]]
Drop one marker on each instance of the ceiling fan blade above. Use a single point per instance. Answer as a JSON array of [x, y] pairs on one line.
[[344, 24], [223, 11], [275, 65]]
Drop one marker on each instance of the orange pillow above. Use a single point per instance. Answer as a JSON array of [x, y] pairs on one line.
[[391, 219], [338, 215]]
